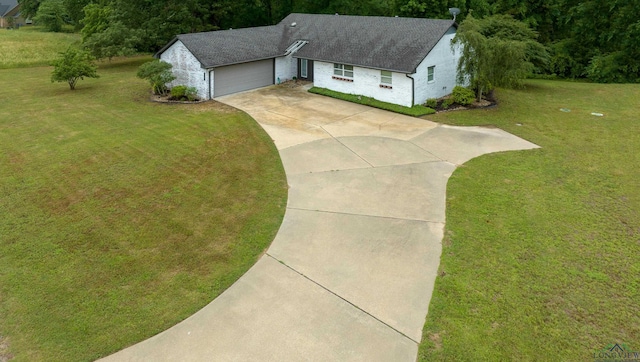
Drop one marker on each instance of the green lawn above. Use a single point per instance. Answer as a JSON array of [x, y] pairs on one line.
[[120, 217], [30, 46], [541, 255]]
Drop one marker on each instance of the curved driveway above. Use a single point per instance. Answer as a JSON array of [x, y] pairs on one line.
[[350, 273]]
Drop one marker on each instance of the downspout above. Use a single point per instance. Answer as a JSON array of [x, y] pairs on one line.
[[413, 90], [210, 85]]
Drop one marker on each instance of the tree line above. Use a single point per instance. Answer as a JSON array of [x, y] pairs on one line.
[[593, 39]]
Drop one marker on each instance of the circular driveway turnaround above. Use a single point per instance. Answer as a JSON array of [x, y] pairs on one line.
[[350, 273]]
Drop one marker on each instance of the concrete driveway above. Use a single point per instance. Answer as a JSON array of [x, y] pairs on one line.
[[350, 274]]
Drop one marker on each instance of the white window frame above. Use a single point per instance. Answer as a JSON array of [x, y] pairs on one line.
[[304, 68], [343, 70], [386, 77], [431, 74]]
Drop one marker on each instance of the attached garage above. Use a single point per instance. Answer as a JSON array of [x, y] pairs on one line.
[[241, 77]]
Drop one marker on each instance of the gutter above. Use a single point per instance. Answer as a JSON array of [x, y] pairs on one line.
[[209, 81]]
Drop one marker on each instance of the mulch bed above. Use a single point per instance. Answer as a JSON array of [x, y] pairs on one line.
[[487, 102], [167, 99]]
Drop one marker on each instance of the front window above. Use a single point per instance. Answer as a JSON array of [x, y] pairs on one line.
[[386, 77], [342, 70], [431, 73]]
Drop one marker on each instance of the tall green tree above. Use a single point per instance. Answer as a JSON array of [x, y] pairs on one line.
[[29, 8], [114, 41], [602, 41], [433, 9], [97, 18], [497, 51], [75, 11], [52, 15]]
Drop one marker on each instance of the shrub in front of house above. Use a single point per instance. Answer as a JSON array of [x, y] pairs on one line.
[[431, 103], [463, 96], [446, 103], [183, 93], [158, 73]]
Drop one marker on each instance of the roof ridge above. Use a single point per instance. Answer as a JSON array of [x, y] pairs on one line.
[[378, 42]]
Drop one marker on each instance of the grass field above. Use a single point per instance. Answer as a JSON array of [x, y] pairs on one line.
[[541, 256], [120, 217], [30, 46]]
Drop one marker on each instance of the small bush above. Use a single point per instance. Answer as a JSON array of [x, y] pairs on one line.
[[446, 103], [431, 103], [191, 94], [463, 96], [184, 93], [178, 91]]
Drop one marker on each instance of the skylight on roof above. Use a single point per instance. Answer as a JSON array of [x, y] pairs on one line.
[[295, 47]]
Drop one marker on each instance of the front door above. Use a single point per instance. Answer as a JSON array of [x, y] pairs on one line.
[[305, 69]]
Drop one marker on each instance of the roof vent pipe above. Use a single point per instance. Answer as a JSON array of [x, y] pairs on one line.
[[454, 12], [293, 25]]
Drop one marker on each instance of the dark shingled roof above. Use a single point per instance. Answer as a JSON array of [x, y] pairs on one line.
[[397, 44], [6, 6], [226, 47]]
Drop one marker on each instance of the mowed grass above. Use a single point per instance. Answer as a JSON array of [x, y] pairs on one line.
[[120, 217], [30, 46], [541, 255]]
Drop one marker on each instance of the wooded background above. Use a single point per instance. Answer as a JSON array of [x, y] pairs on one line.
[[594, 39]]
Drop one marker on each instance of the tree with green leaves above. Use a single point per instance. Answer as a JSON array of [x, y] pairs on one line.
[[158, 73], [73, 65], [497, 51], [433, 9], [29, 8], [75, 11], [97, 18], [11, 22], [602, 42], [51, 14], [114, 41]]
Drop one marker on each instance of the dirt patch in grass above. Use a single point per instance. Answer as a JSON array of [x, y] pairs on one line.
[[436, 340], [4, 350]]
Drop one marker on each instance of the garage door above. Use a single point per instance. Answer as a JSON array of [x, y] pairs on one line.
[[242, 77]]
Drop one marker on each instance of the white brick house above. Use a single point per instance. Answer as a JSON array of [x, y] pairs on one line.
[[403, 61]]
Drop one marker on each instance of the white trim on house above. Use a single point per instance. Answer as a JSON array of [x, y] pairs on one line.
[[386, 78], [343, 70]]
